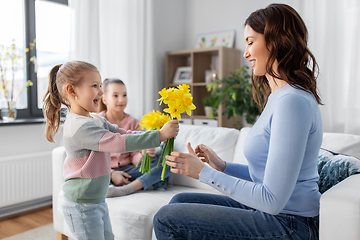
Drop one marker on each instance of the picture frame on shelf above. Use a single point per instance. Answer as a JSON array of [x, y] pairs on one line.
[[183, 75], [221, 38]]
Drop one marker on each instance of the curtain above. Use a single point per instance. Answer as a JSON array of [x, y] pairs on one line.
[[116, 36], [334, 38]]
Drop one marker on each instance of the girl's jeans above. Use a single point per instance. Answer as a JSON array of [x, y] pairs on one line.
[[88, 221], [209, 216], [147, 180]]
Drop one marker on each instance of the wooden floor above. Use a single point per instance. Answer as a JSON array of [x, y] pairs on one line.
[[26, 221]]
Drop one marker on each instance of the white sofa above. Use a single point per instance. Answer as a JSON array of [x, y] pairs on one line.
[[131, 216]]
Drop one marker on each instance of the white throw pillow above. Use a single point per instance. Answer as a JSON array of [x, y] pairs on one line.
[[239, 148], [348, 144], [221, 140]]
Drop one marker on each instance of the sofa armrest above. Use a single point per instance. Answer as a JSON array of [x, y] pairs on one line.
[[58, 157], [340, 210]]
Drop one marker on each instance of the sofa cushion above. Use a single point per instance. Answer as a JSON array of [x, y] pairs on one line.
[[239, 156], [222, 140], [335, 167], [342, 143]]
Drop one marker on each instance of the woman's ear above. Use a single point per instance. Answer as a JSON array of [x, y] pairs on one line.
[[70, 90]]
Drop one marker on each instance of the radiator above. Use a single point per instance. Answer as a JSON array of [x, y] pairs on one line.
[[25, 182]]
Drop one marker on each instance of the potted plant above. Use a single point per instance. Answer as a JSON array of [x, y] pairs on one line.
[[211, 102], [235, 93]]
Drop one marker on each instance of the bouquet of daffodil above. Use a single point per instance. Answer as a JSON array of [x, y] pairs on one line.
[[151, 121], [179, 100]]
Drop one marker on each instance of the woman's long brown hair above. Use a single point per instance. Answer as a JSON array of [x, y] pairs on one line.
[[59, 76], [286, 38]]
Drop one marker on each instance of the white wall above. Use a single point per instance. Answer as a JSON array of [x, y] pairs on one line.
[[169, 30], [177, 23], [26, 168], [206, 16], [25, 139]]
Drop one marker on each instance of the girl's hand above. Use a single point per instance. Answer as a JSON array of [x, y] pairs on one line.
[[207, 155], [187, 164], [150, 151], [120, 178], [169, 130]]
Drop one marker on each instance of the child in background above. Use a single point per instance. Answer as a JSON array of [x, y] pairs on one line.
[[125, 176], [88, 140]]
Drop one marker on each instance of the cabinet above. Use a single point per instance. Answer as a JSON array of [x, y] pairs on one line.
[[222, 59]]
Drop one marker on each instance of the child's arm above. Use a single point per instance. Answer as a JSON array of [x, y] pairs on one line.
[[128, 142], [169, 130], [92, 137], [82, 134]]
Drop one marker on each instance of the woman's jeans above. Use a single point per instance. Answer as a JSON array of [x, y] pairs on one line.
[[147, 180], [88, 221], [209, 216]]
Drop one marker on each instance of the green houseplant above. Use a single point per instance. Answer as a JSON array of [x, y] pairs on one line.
[[211, 101], [235, 93]]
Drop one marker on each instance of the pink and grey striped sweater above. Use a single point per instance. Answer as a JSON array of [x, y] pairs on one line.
[[88, 142]]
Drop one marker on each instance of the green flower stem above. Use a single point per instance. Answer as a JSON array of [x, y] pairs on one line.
[[142, 157], [162, 153], [145, 166], [168, 149]]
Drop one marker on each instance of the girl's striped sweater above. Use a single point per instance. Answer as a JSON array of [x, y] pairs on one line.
[[88, 142]]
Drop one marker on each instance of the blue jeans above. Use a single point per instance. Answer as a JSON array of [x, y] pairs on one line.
[[150, 179], [210, 216], [88, 221]]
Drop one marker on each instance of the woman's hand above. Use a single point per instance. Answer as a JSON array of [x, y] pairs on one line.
[[120, 178], [207, 155], [169, 130], [187, 164]]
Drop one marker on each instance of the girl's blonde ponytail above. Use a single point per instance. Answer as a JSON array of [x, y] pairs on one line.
[[52, 105]]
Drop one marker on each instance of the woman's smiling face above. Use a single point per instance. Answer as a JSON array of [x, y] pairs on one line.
[[256, 51]]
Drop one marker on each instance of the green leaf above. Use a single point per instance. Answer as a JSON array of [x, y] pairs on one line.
[[235, 92]]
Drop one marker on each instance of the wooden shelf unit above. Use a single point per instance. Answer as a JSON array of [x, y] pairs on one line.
[[224, 60]]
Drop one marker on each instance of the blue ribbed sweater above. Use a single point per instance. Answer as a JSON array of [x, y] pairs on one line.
[[282, 150]]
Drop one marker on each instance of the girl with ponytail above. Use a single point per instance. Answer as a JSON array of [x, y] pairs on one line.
[[89, 139]]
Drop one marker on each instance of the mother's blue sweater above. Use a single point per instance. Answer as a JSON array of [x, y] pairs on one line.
[[282, 150]]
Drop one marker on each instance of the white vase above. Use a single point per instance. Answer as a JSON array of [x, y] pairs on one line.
[[9, 111], [207, 110]]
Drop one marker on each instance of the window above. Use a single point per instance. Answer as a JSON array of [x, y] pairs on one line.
[[12, 27], [46, 22], [52, 41]]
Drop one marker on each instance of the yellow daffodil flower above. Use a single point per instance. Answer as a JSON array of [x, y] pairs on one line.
[[164, 96], [175, 111], [29, 83], [178, 100], [154, 120], [184, 87]]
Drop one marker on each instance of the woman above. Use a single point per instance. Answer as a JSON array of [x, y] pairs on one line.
[[276, 196]]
